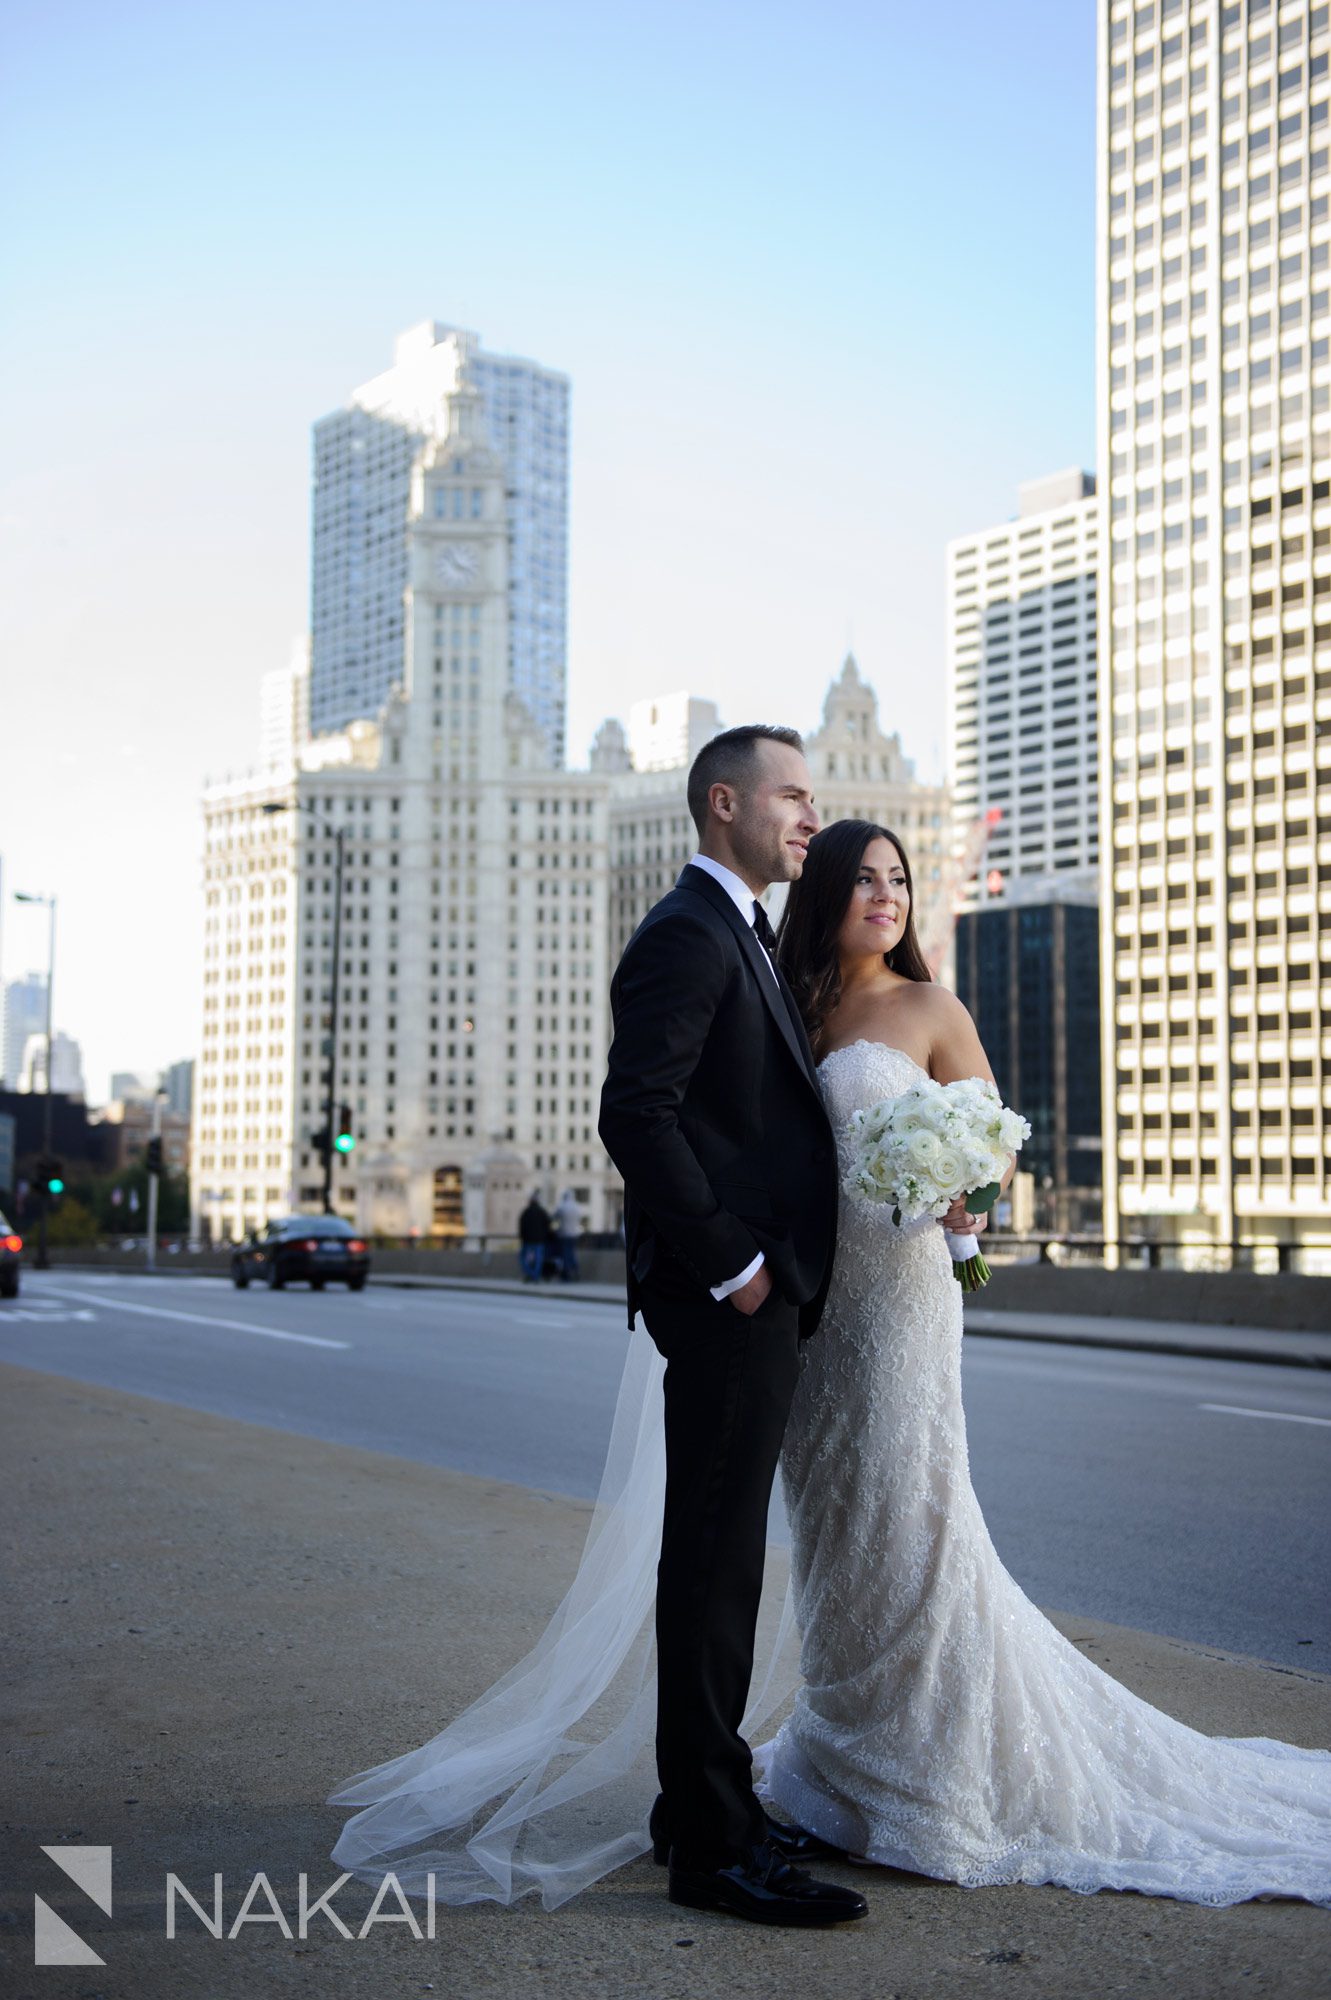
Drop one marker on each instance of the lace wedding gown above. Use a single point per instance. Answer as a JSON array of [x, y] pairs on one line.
[[943, 1725]]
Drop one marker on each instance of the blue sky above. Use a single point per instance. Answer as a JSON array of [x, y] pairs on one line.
[[822, 278]]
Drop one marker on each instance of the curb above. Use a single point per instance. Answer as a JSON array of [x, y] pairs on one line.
[[1136, 1343]]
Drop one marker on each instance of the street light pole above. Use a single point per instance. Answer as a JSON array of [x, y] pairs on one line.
[[154, 1182], [41, 1262], [330, 1074], [330, 1094]]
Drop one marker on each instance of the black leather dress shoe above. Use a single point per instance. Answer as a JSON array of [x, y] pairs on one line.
[[764, 1889], [792, 1843]]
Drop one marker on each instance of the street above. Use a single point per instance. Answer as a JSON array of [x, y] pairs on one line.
[[1181, 1496]]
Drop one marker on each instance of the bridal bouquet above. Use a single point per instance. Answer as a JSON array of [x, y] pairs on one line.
[[936, 1141]]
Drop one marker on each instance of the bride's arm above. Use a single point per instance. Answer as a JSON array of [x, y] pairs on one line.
[[956, 1052]]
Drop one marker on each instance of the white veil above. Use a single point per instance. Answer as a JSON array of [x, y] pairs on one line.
[[546, 1781]]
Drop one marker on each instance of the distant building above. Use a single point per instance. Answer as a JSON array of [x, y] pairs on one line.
[[284, 709], [75, 1141], [66, 1065], [670, 731], [366, 457], [8, 1154], [128, 1086], [178, 1084], [1029, 974], [25, 1014], [472, 1020], [1022, 703], [126, 1129], [858, 773]]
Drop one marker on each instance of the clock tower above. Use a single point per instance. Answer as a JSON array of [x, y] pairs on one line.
[[457, 602]]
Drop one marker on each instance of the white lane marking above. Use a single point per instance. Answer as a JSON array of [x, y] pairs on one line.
[[1277, 1416], [205, 1319], [48, 1315], [532, 1319]]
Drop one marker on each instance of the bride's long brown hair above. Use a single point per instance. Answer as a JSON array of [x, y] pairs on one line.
[[815, 910]]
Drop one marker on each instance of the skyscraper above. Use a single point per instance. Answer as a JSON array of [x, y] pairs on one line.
[[363, 461], [1214, 393], [25, 1014], [1021, 681], [1030, 975]]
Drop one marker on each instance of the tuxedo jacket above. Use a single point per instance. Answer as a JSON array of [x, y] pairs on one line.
[[711, 1109]]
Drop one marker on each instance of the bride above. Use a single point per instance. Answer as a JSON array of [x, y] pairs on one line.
[[940, 1723], [943, 1725]]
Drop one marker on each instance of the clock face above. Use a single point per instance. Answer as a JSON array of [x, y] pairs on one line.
[[457, 564]]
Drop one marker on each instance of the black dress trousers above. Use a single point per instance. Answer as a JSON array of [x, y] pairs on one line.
[[729, 1382]]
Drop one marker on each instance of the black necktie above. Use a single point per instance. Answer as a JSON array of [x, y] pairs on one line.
[[763, 931]]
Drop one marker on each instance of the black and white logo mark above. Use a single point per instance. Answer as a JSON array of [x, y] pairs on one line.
[[54, 1943]]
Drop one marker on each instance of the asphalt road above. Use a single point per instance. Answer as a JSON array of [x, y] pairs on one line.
[[1177, 1495]]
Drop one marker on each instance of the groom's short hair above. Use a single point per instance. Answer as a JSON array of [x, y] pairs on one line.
[[729, 759]]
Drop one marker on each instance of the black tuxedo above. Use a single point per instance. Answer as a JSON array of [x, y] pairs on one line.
[[711, 1112], [711, 1109]]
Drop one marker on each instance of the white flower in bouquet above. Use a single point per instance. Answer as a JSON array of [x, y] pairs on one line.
[[933, 1143]]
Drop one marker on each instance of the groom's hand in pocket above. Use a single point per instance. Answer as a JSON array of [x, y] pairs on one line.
[[749, 1297]]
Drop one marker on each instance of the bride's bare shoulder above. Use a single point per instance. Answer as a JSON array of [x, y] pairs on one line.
[[933, 1027], [926, 1003], [912, 1015]]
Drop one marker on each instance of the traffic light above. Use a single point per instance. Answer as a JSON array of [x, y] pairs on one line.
[[51, 1176], [153, 1156], [319, 1143], [345, 1142]]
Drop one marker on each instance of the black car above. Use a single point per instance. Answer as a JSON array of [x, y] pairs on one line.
[[10, 1246], [314, 1247]]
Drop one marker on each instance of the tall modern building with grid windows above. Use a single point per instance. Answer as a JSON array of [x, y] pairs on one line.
[[1214, 391], [1021, 684], [363, 461]]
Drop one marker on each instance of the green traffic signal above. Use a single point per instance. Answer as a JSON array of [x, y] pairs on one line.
[[55, 1185], [345, 1142]]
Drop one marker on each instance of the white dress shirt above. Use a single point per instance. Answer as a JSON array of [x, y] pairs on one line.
[[742, 896]]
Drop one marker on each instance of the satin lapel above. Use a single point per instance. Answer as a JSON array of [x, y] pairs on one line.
[[781, 1010]]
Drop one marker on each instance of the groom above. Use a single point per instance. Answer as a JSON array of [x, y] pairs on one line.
[[712, 1114]]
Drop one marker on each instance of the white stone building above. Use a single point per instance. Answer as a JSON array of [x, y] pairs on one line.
[[1214, 394], [473, 968], [364, 461], [670, 730], [859, 772], [1021, 687], [284, 709]]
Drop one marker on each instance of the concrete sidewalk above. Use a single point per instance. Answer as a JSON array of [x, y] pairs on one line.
[[219, 1621]]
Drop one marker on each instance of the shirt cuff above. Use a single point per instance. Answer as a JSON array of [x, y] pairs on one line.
[[720, 1292]]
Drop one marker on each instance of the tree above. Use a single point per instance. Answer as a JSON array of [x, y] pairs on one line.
[[70, 1222]]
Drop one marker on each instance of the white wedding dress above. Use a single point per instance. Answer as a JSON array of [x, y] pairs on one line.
[[943, 1725]]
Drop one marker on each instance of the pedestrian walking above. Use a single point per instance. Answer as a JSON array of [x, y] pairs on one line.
[[568, 1221], [533, 1234]]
